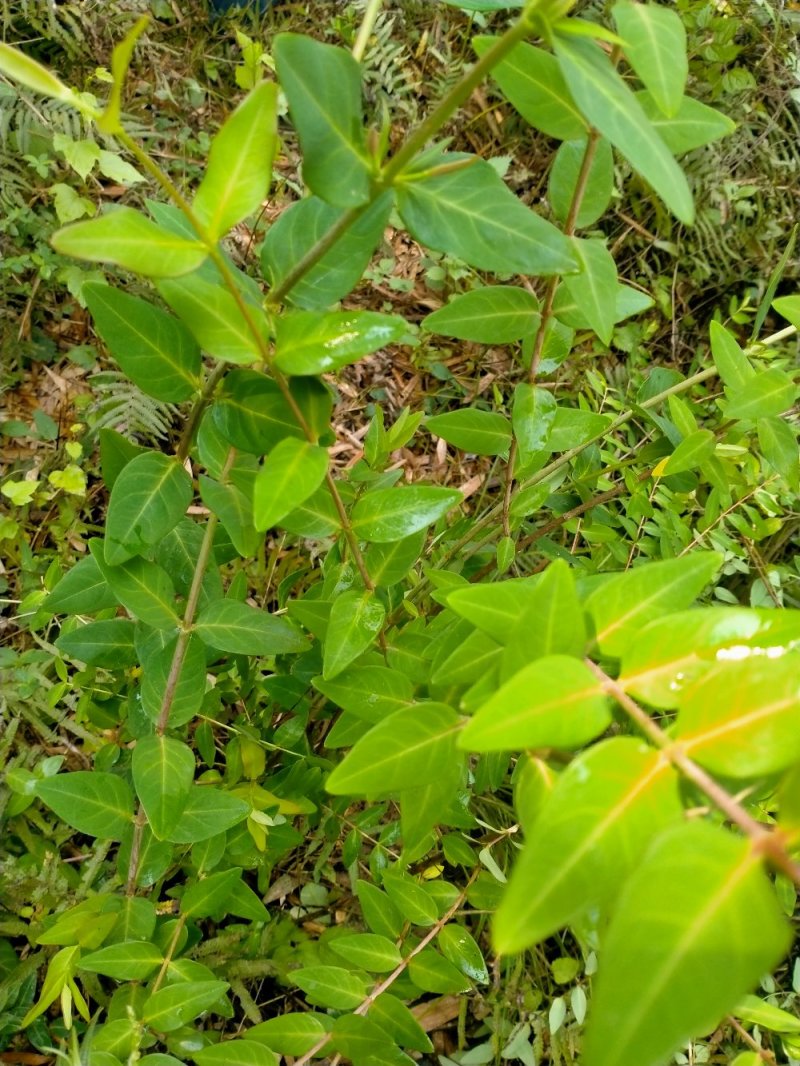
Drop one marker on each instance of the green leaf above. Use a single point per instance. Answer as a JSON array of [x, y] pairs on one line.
[[331, 986], [291, 1034], [573, 426], [655, 46], [778, 445], [368, 951], [494, 314], [234, 511], [60, 970], [740, 719], [397, 1020], [386, 515], [291, 473], [308, 342], [216, 320], [23, 69], [695, 959], [591, 831], [471, 213], [131, 961], [323, 87], [380, 913], [411, 900], [207, 812], [789, 308], [252, 414], [126, 238], [552, 622], [239, 169], [401, 752], [732, 364], [243, 630], [755, 1011], [594, 288], [142, 587], [553, 702], [433, 973], [460, 948], [472, 430], [187, 695], [531, 80], [82, 590], [389, 563], [494, 609], [532, 420], [362, 1041], [149, 497], [356, 619], [236, 1053], [623, 604], [338, 271], [689, 455], [612, 108], [599, 183], [210, 895], [369, 692], [178, 1004], [95, 803], [769, 393], [163, 772], [692, 126], [154, 349], [108, 644]]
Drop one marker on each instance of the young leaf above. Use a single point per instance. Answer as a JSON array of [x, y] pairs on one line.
[[696, 959], [154, 349], [385, 515], [471, 213], [126, 238], [368, 951], [308, 342], [599, 184], [331, 986], [611, 107], [23, 69], [472, 430], [591, 832], [210, 895], [291, 473], [93, 802], [594, 288], [216, 320], [207, 812], [553, 702], [531, 80], [692, 126], [133, 961], [405, 750], [323, 86], [239, 167], [163, 772], [176, 1005], [107, 644], [655, 46], [356, 620], [188, 692], [622, 605], [148, 499], [243, 630], [689, 455], [338, 271], [494, 314], [732, 364]]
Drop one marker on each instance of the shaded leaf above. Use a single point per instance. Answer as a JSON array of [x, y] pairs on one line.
[[163, 772], [149, 497], [494, 314], [96, 803]]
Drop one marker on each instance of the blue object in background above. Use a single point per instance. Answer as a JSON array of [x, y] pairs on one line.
[[226, 5]]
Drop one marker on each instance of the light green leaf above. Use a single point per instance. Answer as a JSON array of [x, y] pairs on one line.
[[401, 752], [338, 271], [599, 184], [291, 473], [552, 622], [769, 393], [554, 702], [591, 832], [323, 86], [789, 308], [473, 430], [532, 419], [386, 515], [612, 108], [236, 1053], [126, 238], [531, 80], [148, 499], [308, 342], [234, 627], [207, 811], [23, 69], [778, 444], [60, 970], [178, 1004], [695, 959], [291, 1034], [331, 986], [130, 961], [410, 898], [757, 1012], [356, 619], [216, 320], [163, 772], [573, 426], [154, 349], [389, 563], [110, 120], [495, 609], [732, 364], [188, 693], [471, 213], [368, 951], [380, 913], [239, 168], [82, 590], [209, 895], [689, 455], [594, 288], [655, 46], [96, 803], [108, 644], [692, 126], [369, 692], [623, 604], [494, 314]]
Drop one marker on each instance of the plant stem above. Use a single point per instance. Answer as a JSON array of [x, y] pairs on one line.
[[196, 413], [366, 28]]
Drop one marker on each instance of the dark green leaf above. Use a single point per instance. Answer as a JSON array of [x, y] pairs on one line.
[[243, 630], [108, 644], [369, 951], [95, 803], [148, 499], [331, 986], [187, 695], [178, 1004], [207, 811], [82, 590], [163, 772], [291, 1034], [563, 181]]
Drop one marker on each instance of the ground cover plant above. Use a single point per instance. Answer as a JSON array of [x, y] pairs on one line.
[[348, 755]]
